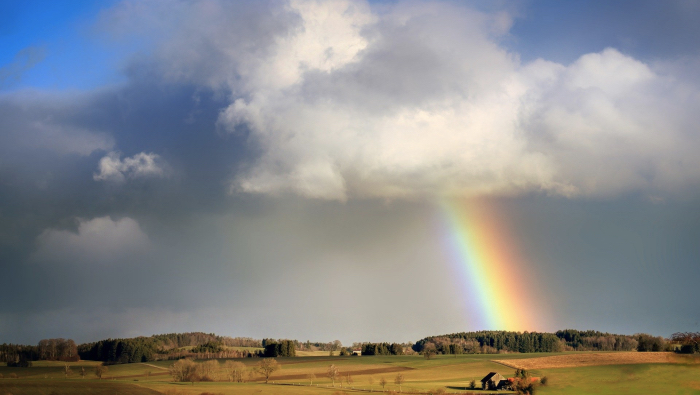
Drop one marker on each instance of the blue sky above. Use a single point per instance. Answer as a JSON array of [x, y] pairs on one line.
[[221, 166], [65, 56]]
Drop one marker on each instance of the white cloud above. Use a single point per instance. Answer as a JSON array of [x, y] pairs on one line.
[[420, 98], [112, 168], [97, 241]]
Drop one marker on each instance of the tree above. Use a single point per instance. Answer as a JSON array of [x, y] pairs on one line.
[[399, 380], [266, 367], [472, 384], [234, 370], [311, 378], [100, 370], [207, 369], [429, 351], [382, 382], [67, 371], [524, 384], [184, 370], [82, 371], [371, 382], [332, 373]]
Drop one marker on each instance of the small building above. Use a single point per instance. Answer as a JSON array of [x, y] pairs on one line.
[[357, 352], [494, 381]]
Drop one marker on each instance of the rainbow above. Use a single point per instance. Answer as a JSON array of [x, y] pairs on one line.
[[492, 279]]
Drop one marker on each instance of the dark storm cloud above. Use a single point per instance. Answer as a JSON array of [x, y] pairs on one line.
[[237, 97]]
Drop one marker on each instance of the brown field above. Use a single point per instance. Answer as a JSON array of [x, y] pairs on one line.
[[357, 372], [586, 359]]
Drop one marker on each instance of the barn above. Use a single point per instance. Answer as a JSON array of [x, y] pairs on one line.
[[494, 381]]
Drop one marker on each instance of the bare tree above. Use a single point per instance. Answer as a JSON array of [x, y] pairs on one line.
[[208, 369], [100, 370], [348, 379], [235, 371], [184, 370], [333, 373], [429, 351], [67, 371], [371, 383], [266, 367], [82, 371], [382, 382], [311, 378], [399, 380]]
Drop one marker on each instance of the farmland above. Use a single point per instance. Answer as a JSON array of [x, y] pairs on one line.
[[568, 373]]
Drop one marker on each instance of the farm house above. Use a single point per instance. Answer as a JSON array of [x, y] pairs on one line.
[[494, 381]]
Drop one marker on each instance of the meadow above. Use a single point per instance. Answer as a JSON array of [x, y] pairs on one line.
[[630, 373]]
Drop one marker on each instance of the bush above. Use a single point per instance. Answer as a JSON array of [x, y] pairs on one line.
[[13, 375]]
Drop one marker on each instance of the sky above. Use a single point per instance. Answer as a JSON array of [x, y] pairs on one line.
[[351, 170]]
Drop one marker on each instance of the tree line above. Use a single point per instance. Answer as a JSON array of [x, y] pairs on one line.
[[279, 348], [47, 349], [489, 342], [382, 349], [145, 349], [486, 342], [199, 345]]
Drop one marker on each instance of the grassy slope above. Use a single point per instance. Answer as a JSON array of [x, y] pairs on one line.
[[625, 379]]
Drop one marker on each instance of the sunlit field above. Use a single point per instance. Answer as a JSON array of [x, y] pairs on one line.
[[307, 375]]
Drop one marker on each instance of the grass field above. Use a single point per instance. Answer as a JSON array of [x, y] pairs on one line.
[[629, 374]]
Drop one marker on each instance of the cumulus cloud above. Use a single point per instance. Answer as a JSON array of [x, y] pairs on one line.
[[97, 241], [113, 168], [420, 98]]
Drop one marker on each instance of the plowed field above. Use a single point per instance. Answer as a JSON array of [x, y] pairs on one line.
[[586, 359]]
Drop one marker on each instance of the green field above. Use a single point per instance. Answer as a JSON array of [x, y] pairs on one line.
[[449, 373]]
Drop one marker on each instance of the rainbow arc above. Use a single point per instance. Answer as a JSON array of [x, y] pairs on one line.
[[493, 280]]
